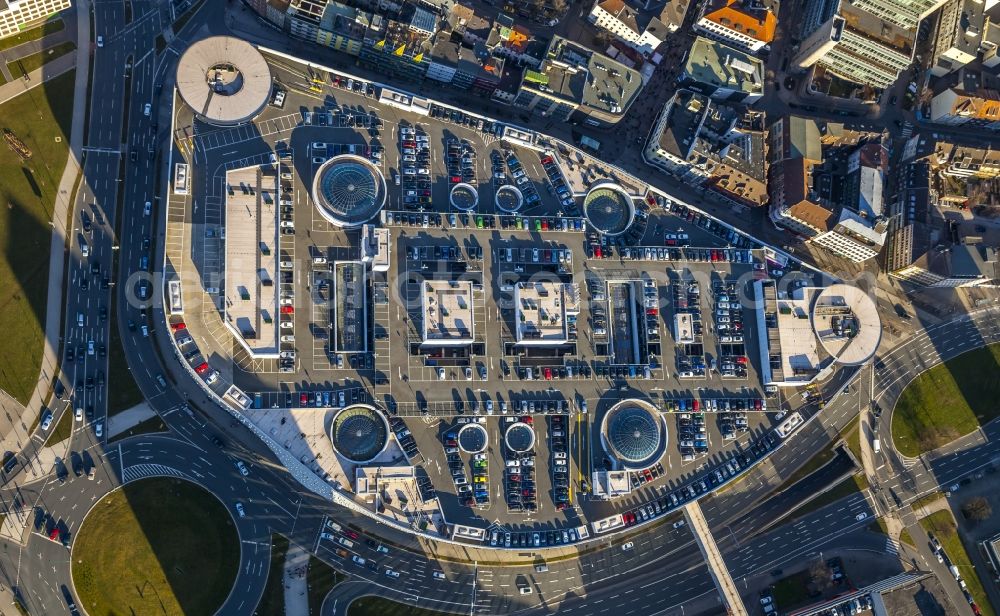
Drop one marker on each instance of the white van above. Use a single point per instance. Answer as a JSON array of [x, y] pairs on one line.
[[84, 248], [79, 319]]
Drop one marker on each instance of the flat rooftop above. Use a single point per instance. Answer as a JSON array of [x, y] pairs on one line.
[[541, 312], [684, 328], [800, 349], [847, 324], [251, 231], [716, 64], [447, 311]]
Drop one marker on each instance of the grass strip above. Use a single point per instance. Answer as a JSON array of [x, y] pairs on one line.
[[272, 602], [851, 485], [905, 537], [321, 578], [63, 429], [151, 425], [47, 28], [20, 67], [926, 500], [942, 524], [40, 118], [948, 401]]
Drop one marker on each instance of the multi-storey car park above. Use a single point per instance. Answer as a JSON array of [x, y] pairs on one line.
[[392, 292]]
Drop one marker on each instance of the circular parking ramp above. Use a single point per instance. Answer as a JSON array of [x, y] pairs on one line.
[[359, 433], [633, 433], [348, 190], [224, 80], [520, 437], [608, 208], [509, 199], [472, 438], [464, 197]]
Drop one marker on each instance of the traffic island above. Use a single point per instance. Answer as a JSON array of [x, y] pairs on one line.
[[156, 546]]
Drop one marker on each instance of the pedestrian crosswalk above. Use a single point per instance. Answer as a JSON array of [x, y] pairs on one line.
[[141, 471], [891, 546]]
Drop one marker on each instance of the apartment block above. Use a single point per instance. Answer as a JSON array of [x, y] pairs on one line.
[[867, 42], [722, 72], [642, 30], [958, 107], [16, 14], [711, 145], [746, 24], [959, 33], [576, 82]]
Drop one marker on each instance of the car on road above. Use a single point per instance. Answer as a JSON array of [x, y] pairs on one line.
[[627, 546], [392, 573], [146, 109], [861, 516], [439, 575], [147, 209], [242, 468], [79, 414], [240, 510], [100, 41], [47, 420], [99, 429]]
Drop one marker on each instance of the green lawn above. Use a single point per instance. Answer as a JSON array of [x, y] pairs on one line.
[[29, 63], [152, 425], [905, 537], [156, 546], [852, 437], [322, 578], [272, 602], [792, 591], [49, 27], [942, 524], [377, 606], [926, 499], [27, 194], [948, 401]]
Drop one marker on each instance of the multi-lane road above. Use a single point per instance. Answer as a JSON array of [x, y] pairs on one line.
[[607, 579]]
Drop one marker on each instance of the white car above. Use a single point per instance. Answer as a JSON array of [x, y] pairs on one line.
[[242, 468], [47, 421], [100, 41], [240, 510], [439, 575], [559, 455], [146, 109], [79, 414], [392, 573], [146, 209], [861, 516], [627, 546], [327, 536], [99, 429], [440, 374]]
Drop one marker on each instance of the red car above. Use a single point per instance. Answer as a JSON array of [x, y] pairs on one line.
[[597, 252], [202, 368], [54, 535], [561, 506], [694, 405], [651, 200], [546, 160], [303, 399], [527, 492], [527, 419], [468, 502], [409, 144], [757, 405], [451, 443], [177, 326], [548, 374], [455, 179], [514, 478], [741, 360], [352, 534], [651, 312], [648, 475], [287, 310], [545, 225]]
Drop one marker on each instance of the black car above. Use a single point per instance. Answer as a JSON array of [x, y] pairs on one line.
[[70, 354], [90, 382], [218, 442]]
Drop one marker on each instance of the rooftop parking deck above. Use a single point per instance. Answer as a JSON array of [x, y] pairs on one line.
[[447, 311]]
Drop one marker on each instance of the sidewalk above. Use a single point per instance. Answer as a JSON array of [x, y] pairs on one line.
[[128, 418], [296, 583]]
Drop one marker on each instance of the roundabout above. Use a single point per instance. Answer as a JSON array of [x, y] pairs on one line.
[[158, 545]]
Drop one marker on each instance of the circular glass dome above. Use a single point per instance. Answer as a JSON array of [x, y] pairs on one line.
[[472, 438], [520, 437], [464, 197], [359, 433], [609, 209], [509, 198], [633, 433], [348, 190]]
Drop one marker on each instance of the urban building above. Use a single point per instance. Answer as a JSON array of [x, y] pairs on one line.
[[722, 72], [960, 265], [642, 30], [274, 11], [580, 85], [343, 28], [868, 42], [709, 144], [959, 33], [15, 15], [745, 24], [447, 313], [958, 107], [515, 42], [399, 47], [304, 17], [544, 312], [462, 60]]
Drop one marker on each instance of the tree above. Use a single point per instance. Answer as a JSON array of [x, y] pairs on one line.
[[977, 509], [821, 575]]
